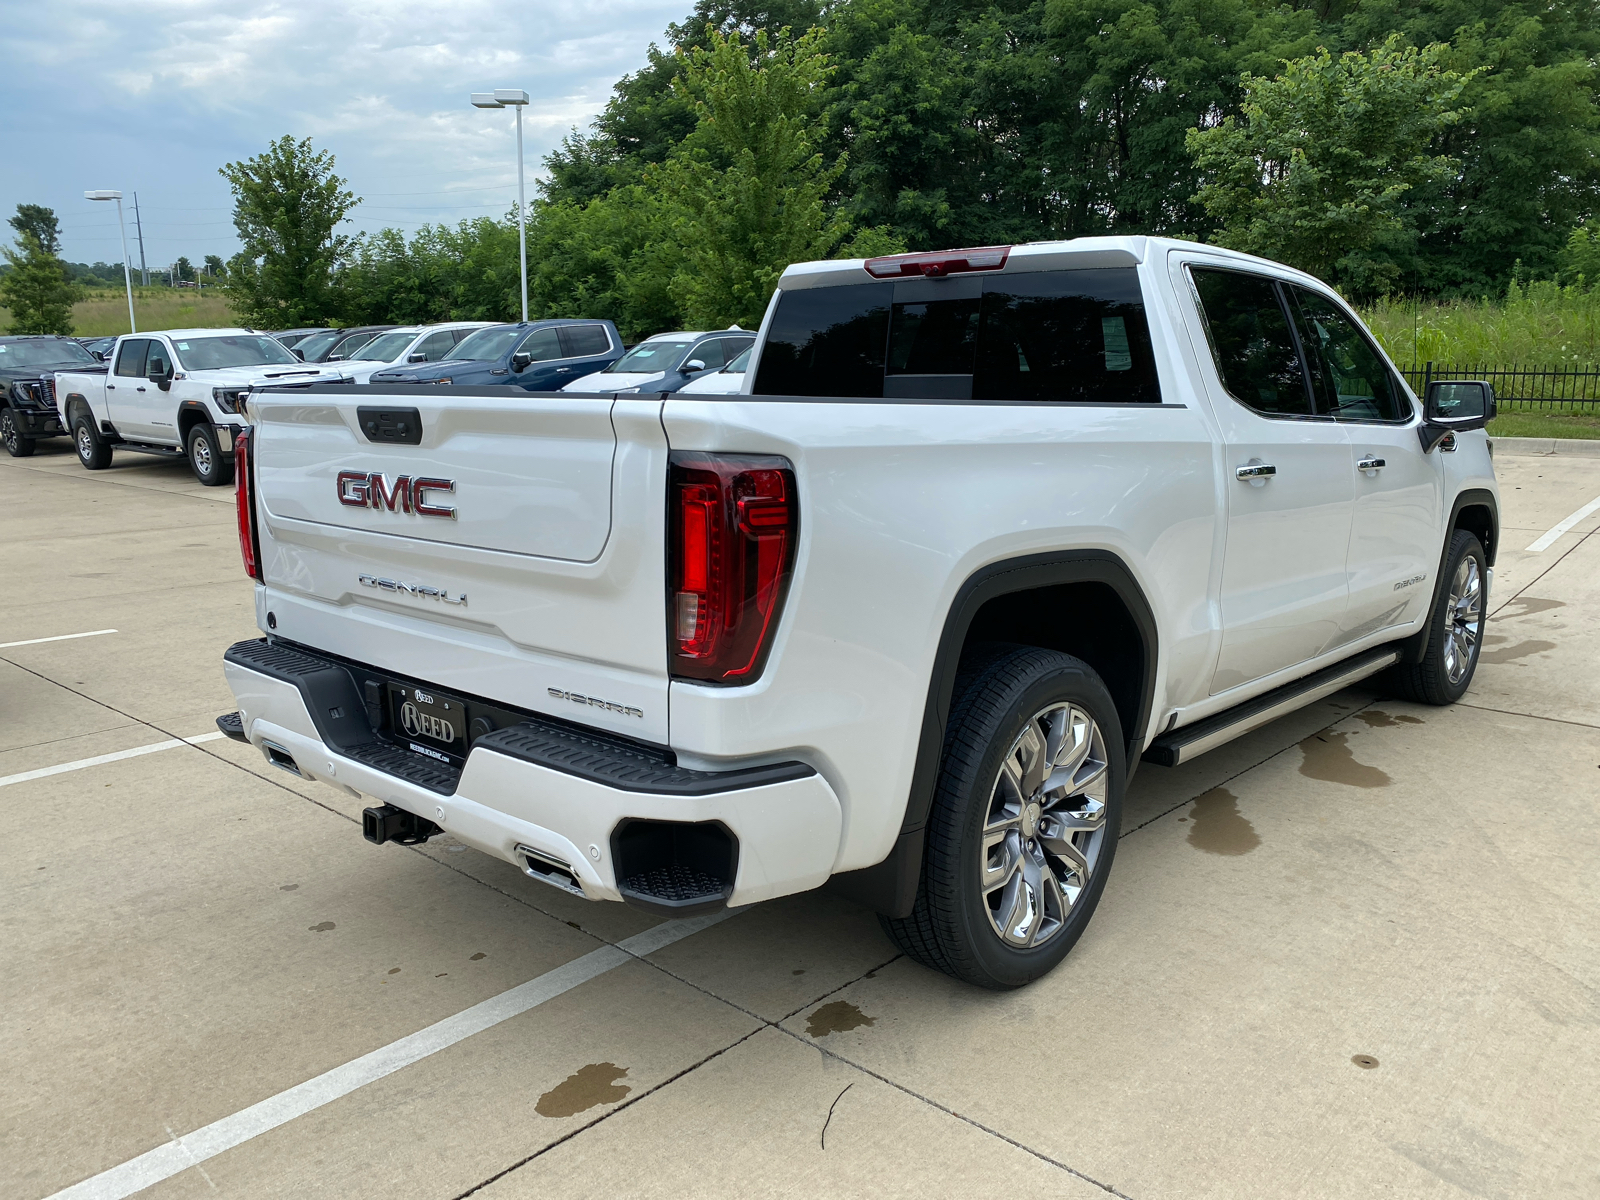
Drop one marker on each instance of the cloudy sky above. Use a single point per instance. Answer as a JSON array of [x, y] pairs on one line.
[[152, 96]]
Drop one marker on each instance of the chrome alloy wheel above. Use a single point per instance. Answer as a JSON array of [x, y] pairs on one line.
[[1045, 825], [85, 442], [1464, 612], [200, 455], [8, 430]]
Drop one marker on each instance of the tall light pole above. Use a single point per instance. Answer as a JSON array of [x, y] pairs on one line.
[[517, 99], [127, 273]]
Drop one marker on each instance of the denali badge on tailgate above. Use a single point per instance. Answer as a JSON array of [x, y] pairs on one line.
[[371, 489], [412, 589]]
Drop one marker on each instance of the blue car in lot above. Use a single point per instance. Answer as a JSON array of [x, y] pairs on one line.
[[537, 356]]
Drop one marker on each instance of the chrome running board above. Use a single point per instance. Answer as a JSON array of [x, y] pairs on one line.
[[1191, 741]]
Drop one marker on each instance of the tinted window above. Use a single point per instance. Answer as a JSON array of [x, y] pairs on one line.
[[1250, 338], [436, 345], [708, 352], [732, 348], [541, 345], [1349, 376], [1066, 335], [584, 340], [317, 344], [130, 358], [827, 342], [933, 337]]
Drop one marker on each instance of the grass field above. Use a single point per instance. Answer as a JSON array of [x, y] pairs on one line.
[[1540, 325], [105, 311], [1514, 422]]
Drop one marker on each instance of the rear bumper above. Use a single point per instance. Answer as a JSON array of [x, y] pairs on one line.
[[537, 785]]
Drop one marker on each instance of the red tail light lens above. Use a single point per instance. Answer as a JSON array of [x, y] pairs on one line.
[[245, 502], [734, 522], [938, 263]]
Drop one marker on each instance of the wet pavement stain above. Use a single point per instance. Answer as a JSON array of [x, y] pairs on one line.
[[1379, 719], [290, 887], [838, 1017], [321, 927], [1528, 606], [1218, 828], [1511, 653], [1327, 757], [480, 955], [584, 1089]]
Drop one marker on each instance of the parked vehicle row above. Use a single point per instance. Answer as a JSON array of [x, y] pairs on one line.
[[28, 365], [981, 531]]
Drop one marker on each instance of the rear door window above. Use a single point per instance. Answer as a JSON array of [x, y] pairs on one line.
[[1348, 375], [436, 345], [708, 352], [1251, 341], [827, 341], [541, 345], [581, 341], [130, 358]]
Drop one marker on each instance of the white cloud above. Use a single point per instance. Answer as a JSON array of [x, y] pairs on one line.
[[154, 97]]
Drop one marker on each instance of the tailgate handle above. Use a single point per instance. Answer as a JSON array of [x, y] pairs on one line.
[[402, 425]]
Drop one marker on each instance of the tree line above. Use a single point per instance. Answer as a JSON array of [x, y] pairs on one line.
[[1389, 146]]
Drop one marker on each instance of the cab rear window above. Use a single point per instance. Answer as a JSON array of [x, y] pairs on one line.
[[1050, 336]]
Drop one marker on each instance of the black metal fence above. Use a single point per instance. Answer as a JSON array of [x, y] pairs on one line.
[[1554, 389]]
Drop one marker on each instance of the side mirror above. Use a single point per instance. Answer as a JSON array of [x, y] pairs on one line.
[[417, 357], [693, 365], [300, 354], [520, 360], [98, 356], [1454, 406], [159, 372], [334, 358]]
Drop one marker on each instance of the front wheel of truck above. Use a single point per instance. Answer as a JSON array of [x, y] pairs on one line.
[[1024, 821], [17, 443], [94, 452], [206, 459]]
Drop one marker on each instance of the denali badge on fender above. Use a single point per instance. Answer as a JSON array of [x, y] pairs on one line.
[[371, 489], [411, 589]]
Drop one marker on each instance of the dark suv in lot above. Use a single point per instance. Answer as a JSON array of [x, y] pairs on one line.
[[28, 387], [538, 356]]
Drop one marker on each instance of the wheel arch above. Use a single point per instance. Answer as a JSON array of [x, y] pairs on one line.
[[190, 414], [1476, 511], [1022, 600]]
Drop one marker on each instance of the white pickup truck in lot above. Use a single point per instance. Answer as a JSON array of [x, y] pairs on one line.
[[983, 530], [176, 392]]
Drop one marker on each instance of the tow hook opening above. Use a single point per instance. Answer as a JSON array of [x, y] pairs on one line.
[[675, 867], [279, 757], [390, 824], [549, 869]]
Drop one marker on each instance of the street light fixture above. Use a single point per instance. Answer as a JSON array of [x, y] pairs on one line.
[[127, 274], [517, 99]]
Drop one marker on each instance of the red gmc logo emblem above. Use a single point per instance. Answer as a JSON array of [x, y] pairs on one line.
[[370, 489]]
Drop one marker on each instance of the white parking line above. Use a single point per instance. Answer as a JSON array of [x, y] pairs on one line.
[[81, 763], [60, 637], [182, 1153], [1548, 539]]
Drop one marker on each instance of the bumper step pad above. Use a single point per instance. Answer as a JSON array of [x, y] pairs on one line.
[[333, 694]]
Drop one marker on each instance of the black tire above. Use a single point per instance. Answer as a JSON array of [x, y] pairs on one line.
[[94, 452], [205, 457], [1445, 672], [999, 693], [17, 443]]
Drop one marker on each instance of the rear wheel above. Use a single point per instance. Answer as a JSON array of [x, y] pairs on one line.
[[205, 457], [1024, 821], [94, 452], [17, 443], [1455, 629]]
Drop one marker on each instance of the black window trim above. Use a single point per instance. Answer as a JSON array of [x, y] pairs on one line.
[[561, 341]]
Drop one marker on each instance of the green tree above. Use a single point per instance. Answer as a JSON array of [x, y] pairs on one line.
[[36, 288], [1314, 171], [215, 266], [750, 184], [288, 205], [41, 222], [184, 269]]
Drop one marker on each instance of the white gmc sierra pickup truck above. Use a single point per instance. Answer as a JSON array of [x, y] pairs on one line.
[[984, 529], [176, 392]]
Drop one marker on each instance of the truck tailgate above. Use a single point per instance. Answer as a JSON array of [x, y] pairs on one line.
[[503, 544]]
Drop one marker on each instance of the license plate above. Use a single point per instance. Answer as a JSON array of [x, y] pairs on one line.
[[431, 724]]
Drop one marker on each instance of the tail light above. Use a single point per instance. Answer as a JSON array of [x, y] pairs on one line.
[[938, 263], [244, 495], [734, 520]]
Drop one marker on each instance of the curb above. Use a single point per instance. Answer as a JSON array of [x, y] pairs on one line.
[[1516, 447]]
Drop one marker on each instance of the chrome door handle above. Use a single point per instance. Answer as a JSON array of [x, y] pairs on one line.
[[1254, 471], [1370, 463]]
